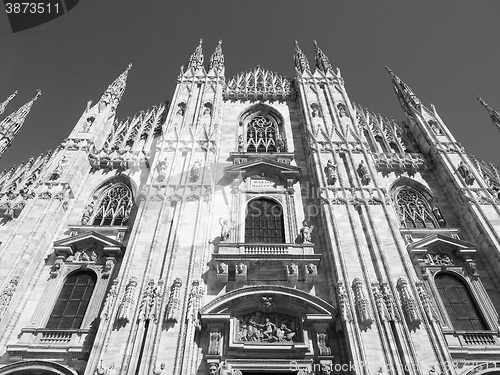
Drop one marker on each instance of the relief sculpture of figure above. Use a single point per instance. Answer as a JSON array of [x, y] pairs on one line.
[[270, 328], [284, 333], [253, 331]]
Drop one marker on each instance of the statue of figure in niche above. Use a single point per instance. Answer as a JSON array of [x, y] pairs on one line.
[[224, 229], [241, 144], [330, 170], [363, 173], [466, 173]]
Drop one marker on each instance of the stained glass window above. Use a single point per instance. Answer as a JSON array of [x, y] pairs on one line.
[[459, 303], [72, 302], [264, 222], [414, 210], [114, 206]]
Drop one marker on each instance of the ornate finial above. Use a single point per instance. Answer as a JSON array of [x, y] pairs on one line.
[[217, 59], [300, 60], [37, 94], [322, 62], [114, 92], [196, 59], [494, 115], [7, 101], [406, 97], [11, 125]]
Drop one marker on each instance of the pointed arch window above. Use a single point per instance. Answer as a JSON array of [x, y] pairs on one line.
[[262, 134], [72, 303], [414, 210], [459, 303], [114, 206], [264, 222]]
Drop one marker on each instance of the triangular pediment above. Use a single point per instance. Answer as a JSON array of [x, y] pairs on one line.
[[70, 245], [266, 166], [441, 239], [440, 242]]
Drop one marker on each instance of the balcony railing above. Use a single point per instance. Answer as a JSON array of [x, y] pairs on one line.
[[74, 343], [471, 339], [265, 249]]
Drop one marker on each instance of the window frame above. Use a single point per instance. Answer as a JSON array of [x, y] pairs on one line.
[[281, 222], [450, 310], [64, 289]]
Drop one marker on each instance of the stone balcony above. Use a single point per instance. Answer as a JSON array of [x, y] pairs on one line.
[[240, 251], [60, 344], [266, 261], [478, 343]]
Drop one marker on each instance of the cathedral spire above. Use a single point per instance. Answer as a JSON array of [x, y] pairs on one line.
[[11, 125], [494, 115], [196, 59], [4, 104], [322, 62], [114, 92], [300, 60], [217, 59], [406, 97]]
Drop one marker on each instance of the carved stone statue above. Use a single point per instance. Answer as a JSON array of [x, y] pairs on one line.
[[293, 269], [241, 144], [213, 369], [311, 269], [195, 170], [222, 268], [241, 268], [363, 173], [464, 171], [224, 230], [330, 170], [159, 371], [305, 232], [162, 170], [89, 209]]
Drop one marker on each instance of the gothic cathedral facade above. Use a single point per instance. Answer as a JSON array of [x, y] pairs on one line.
[[257, 224]]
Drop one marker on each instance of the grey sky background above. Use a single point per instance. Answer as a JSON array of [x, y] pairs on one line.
[[447, 51]]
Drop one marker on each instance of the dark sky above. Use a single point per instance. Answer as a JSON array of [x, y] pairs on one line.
[[447, 51]]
